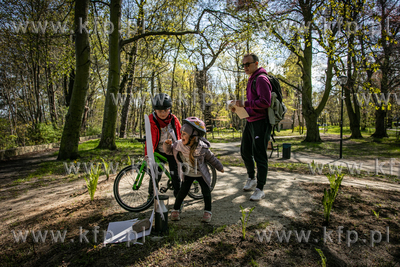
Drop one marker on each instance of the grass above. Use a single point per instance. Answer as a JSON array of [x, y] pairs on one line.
[[289, 166], [125, 147], [288, 132], [88, 154], [225, 135], [357, 150], [334, 130], [88, 151], [367, 147], [231, 161]]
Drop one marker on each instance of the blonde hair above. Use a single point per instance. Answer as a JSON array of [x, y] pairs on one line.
[[194, 143]]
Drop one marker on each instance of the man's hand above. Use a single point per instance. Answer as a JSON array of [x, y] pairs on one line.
[[168, 141], [239, 103], [222, 171]]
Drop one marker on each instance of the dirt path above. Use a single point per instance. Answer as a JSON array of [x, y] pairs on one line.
[[22, 166], [58, 202], [285, 199]]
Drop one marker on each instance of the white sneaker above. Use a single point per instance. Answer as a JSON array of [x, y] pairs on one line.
[[257, 195], [250, 184]]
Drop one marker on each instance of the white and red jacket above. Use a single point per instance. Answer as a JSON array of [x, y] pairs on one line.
[[156, 130]]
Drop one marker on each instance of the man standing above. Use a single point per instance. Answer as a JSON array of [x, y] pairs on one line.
[[257, 131]]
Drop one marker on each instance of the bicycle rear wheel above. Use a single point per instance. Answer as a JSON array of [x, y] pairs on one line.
[[130, 199], [195, 189]]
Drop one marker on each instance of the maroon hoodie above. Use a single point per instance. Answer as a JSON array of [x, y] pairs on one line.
[[258, 100]]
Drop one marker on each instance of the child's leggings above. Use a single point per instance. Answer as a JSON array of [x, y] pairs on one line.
[[185, 187]]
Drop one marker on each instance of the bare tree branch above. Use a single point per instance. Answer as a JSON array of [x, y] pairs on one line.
[[291, 85], [100, 2]]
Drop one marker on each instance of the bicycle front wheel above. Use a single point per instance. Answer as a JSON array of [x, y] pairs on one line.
[[195, 189], [131, 199]]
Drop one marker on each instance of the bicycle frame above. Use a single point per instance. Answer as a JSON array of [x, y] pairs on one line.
[[139, 177]]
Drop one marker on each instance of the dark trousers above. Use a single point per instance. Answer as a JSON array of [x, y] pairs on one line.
[[205, 190], [254, 148], [173, 170]]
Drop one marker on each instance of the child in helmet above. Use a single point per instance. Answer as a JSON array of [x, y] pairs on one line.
[[192, 152], [163, 125]]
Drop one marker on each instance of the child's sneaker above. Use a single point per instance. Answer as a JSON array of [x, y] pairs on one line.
[[206, 217], [175, 215]]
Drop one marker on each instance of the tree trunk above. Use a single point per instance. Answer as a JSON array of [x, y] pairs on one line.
[[70, 136], [51, 97], [173, 72], [152, 77], [84, 119], [354, 115], [69, 87], [159, 84], [125, 111], [127, 104], [380, 127], [107, 140], [293, 118], [380, 124], [309, 113], [312, 128], [36, 79], [201, 83]]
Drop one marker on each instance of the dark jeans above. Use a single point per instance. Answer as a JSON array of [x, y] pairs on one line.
[[173, 170], [205, 190], [254, 148]]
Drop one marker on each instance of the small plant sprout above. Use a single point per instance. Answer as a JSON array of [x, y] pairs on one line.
[[323, 258], [376, 214], [106, 166], [244, 219], [313, 164], [91, 181], [129, 161], [330, 195]]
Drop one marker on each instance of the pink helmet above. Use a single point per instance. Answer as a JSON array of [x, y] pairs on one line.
[[196, 124]]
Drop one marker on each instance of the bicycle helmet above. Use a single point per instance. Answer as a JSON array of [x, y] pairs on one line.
[[161, 101], [198, 125]]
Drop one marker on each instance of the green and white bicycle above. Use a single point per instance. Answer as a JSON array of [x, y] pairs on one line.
[[133, 186]]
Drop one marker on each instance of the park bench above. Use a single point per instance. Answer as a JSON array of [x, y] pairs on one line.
[[273, 146]]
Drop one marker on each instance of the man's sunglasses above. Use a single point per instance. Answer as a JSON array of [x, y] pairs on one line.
[[246, 65]]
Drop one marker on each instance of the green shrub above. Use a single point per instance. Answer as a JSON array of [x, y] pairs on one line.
[[6, 139], [43, 133], [93, 130]]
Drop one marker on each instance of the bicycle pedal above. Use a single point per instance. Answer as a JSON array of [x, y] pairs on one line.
[[163, 189], [169, 185]]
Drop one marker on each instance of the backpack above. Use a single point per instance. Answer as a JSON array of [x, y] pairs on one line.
[[277, 110]]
